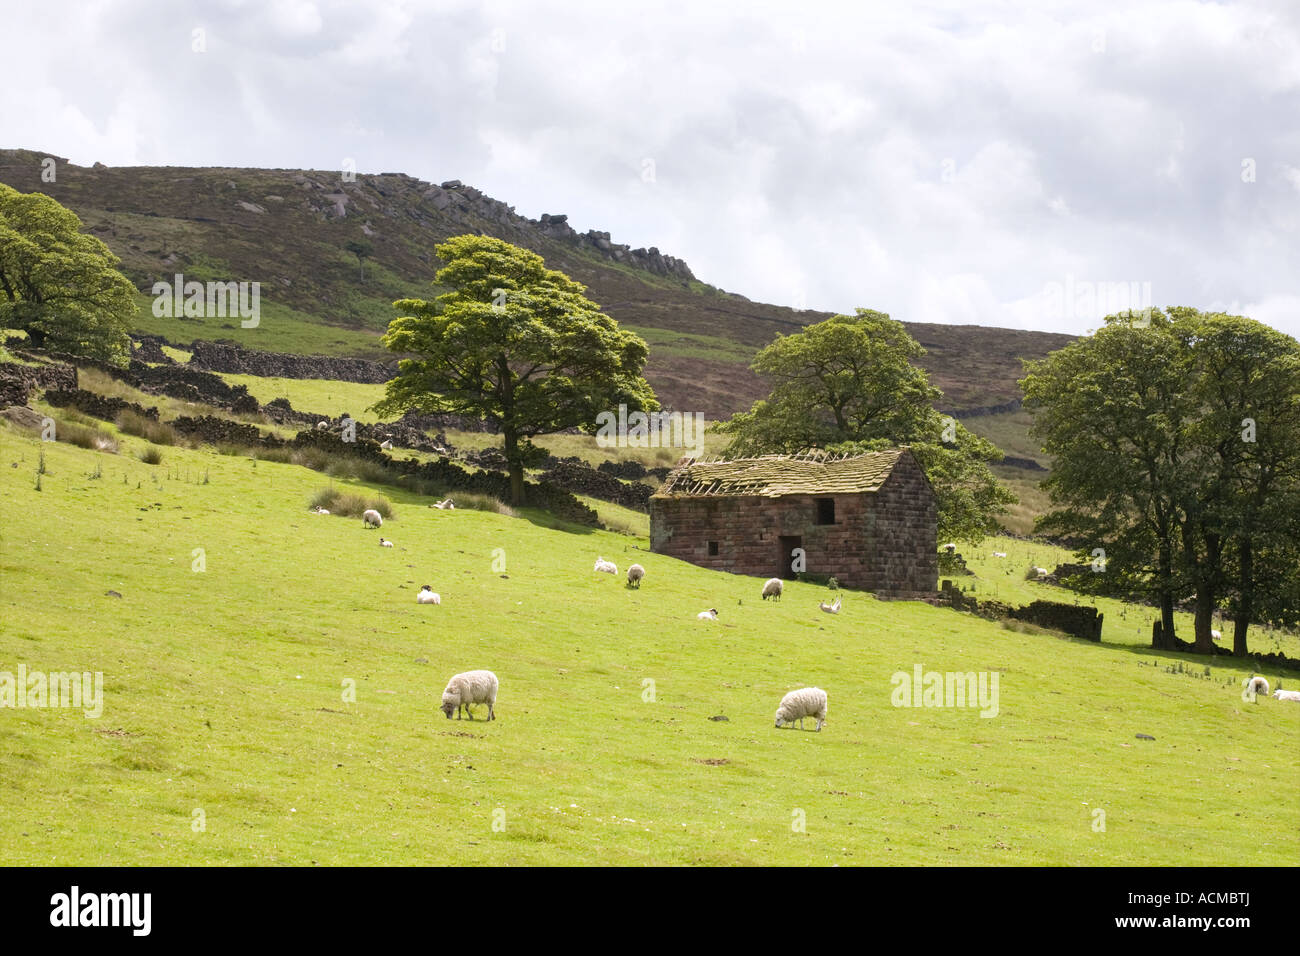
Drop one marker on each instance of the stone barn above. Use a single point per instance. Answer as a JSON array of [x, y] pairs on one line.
[[870, 521]]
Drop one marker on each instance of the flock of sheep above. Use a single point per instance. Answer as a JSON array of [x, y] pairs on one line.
[[480, 686]]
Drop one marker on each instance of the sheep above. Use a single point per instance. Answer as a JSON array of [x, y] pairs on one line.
[[385, 543], [372, 518], [444, 505], [634, 575], [318, 510], [386, 445], [830, 608], [1215, 634], [949, 547], [428, 595], [606, 567], [710, 615], [999, 554], [798, 704], [772, 588], [322, 424], [471, 687], [1257, 686], [1281, 694], [1041, 572]]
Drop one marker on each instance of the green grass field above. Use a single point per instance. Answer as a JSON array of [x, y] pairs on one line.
[[228, 735]]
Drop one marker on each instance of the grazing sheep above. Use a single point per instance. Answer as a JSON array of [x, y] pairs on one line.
[[830, 608], [471, 687], [372, 518], [1257, 686], [386, 445], [773, 588], [710, 615], [445, 505], [1281, 694], [949, 547], [634, 575], [385, 543], [428, 595], [798, 704], [999, 554], [1041, 572], [606, 567]]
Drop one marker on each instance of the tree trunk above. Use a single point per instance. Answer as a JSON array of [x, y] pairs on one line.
[[1245, 599], [35, 338], [1166, 596], [1204, 618], [515, 466]]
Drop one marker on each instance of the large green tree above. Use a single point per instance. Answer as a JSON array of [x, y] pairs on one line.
[[849, 384], [1175, 438], [59, 285], [515, 343]]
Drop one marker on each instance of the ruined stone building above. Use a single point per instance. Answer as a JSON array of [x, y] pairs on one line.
[[868, 520]]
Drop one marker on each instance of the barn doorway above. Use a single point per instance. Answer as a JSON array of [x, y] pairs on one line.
[[785, 559]]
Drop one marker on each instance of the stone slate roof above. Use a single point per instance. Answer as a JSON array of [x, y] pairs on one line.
[[773, 476]]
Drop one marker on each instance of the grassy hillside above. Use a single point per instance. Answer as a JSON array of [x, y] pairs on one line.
[[224, 699], [288, 230]]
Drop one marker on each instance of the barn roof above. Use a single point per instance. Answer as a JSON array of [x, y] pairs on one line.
[[773, 476]]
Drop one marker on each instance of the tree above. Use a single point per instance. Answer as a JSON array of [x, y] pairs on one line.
[[362, 250], [1175, 439], [59, 285], [848, 385], [515, 343]]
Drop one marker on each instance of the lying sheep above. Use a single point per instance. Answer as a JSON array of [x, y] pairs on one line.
[[386, 445], [999, 554], [1257, 686], [428, 595], [710, 615], [319, 511], [798, 704], [606, 567], [471, 687], [634, 575], [444, 505], [385, 543], [1281, 694], [830, 608], [372, 518], [773, 588]]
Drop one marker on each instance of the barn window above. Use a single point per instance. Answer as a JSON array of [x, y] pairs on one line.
[[713, 549], [825, 510]]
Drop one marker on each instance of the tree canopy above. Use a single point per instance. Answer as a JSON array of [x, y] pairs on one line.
[[515, 343], [848, 384], [1175, 439], [59, 285]]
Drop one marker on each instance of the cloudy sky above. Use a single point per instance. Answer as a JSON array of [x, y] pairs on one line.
[[965, 162]]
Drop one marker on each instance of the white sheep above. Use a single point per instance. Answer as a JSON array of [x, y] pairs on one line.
[[772, 588], [1041, 572], [428, 595], [1281, 694], [372, 518], [471, 687], [319, 511], [798, 704], [1257, 686], [830, 608], [1216, 635], [606, 567], [999, 554], [710, 615], [445, 505], [634, 575], [385, 543], [949, 547], [386, 445]]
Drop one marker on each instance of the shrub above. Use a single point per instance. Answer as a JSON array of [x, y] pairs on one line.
[[350, 504], [152, 455], [473, 502], [95, 439]]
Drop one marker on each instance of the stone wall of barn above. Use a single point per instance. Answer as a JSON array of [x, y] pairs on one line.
[[884, 542]]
